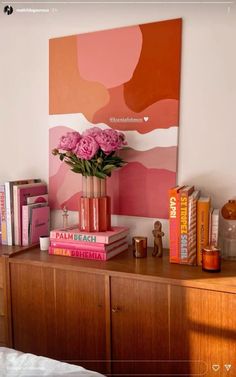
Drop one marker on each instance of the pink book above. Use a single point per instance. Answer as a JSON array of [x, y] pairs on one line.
[[74, 234], [88, 254], [20, 195], [94, 246], [26, 218], [9, 205], [39, 224], [3, 219]]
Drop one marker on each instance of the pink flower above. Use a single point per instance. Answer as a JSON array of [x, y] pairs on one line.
[[94, 131], [110, 140], [86, 148], [68, 142]]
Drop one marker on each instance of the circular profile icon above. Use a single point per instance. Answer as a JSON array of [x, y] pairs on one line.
[[8, 10]]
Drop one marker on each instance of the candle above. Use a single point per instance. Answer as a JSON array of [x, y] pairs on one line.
[[211, 259], [139, 247]]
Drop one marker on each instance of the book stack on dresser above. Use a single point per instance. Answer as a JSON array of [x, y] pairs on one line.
[[72, 242], [194, 224]]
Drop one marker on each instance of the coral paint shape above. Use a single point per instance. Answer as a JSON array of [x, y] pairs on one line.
[[109, 57]]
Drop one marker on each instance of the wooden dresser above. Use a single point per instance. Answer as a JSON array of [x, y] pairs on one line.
[[125, 316]]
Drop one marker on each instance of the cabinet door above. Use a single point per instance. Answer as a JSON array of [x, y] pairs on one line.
[[33, 309], [80, 318], [202, 331], [140, 337]]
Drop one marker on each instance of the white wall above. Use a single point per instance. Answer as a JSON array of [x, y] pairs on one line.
[[208, 89]]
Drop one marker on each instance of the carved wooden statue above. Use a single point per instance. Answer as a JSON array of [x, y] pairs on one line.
[[158, 234]]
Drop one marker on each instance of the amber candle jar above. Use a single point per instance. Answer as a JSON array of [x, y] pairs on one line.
[[139, 247], [211, 259]]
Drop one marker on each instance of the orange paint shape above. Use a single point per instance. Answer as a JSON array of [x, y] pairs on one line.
[[157, 75], [68, 91]]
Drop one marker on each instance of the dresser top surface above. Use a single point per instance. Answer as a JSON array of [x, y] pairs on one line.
[[125, 265]]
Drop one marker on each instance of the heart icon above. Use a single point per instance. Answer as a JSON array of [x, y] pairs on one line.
[[145, 119], [215, 367], [228, 367]]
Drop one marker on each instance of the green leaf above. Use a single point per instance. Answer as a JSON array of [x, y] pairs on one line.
[[109, 167], [87, 166], [100, 174]]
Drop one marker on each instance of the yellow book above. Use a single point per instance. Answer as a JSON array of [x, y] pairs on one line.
[[203, 208]]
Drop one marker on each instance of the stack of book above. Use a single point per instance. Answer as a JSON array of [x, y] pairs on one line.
[[72, 242], [194, 224], [24, 212]]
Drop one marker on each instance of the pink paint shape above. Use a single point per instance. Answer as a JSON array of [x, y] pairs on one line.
[[140, 191], [155, 158], [109, 57]]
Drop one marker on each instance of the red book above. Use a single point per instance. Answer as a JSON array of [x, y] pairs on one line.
[[20, 195], [174, 223], [94, 246], [88, 254], [73, 233]]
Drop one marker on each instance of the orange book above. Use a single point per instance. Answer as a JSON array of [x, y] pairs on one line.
[[203, 208], [184, 199], [174, 223]]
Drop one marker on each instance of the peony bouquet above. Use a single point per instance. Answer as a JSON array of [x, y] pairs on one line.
[[92, 153]]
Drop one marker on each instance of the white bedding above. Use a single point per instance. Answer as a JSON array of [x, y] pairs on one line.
[[17, 364]]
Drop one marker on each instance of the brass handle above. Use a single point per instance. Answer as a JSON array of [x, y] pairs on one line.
[[115, 309]]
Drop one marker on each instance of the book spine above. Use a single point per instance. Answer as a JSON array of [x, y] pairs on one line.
[[75, 245], [61, 235], [215, 227], [174, 225], [192, 231], [78, 253], [183, 227], [16, 214], [25, 225], [66, 235], [3, 215], [9, 212], [95, 246], [202, 228], [184, 200]]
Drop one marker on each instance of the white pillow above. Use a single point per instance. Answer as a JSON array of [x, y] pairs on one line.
[[17, 364]]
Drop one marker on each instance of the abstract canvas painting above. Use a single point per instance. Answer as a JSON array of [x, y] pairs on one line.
[[127, 79]]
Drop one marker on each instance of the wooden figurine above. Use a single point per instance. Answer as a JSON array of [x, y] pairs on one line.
[[158, 234]]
